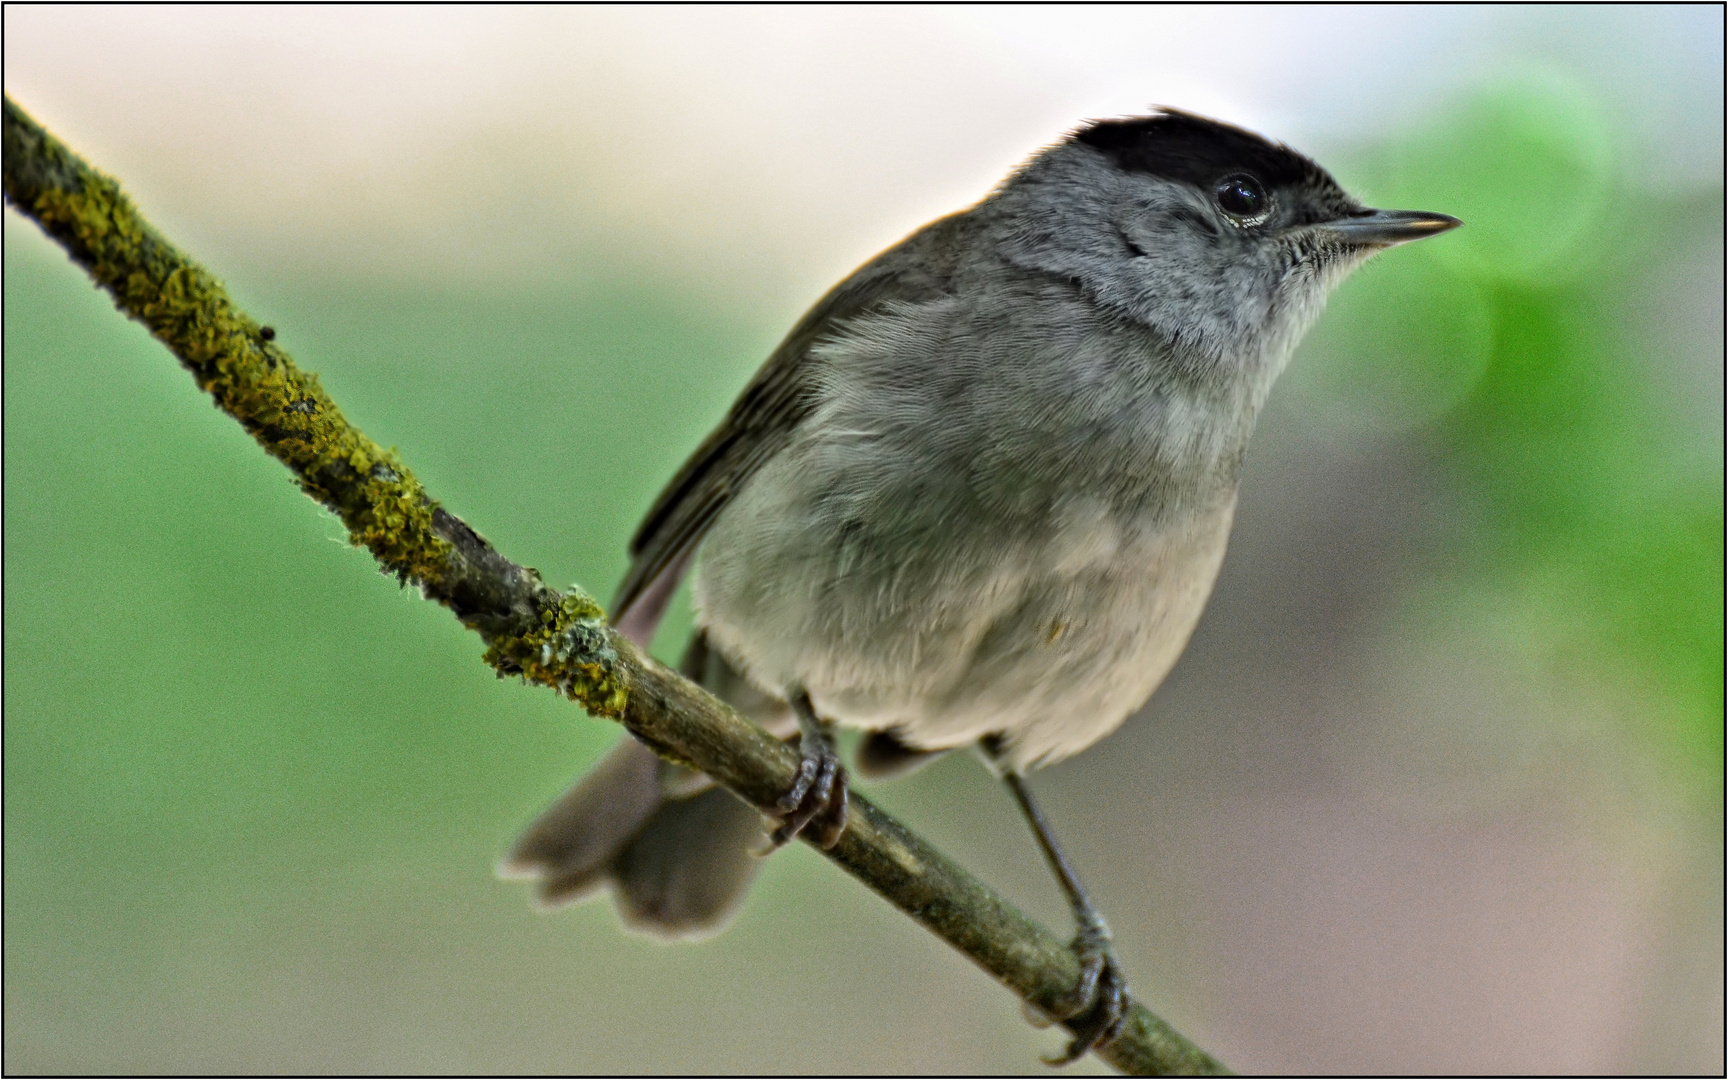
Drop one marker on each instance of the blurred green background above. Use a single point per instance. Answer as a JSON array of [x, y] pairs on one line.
[[1446, 754]]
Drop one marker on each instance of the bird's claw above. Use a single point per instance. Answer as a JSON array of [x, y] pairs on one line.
[[1097, 1006], [819, 792]]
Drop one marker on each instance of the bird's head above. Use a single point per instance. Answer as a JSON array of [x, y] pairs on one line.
[[1224, 242]]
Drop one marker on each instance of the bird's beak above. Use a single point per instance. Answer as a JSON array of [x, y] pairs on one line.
[[1387, 228]]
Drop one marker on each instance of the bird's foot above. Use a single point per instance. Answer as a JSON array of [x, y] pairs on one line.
[[817, 797], [1097, 1007]]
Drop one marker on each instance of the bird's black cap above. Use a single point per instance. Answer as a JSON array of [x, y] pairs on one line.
[[1181, 146]]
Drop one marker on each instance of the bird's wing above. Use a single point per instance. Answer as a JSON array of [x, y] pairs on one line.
[[762, 421]]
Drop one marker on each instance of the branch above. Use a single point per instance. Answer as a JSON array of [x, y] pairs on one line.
[[556, 639]]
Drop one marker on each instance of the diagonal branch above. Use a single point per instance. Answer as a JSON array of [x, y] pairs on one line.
[[558, 639]]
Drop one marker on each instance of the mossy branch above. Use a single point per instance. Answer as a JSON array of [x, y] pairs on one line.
[[558, 639]]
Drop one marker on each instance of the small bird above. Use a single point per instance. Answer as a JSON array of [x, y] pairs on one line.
[[977, 498]]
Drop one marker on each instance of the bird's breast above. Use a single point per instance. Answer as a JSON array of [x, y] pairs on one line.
[[984, 522]]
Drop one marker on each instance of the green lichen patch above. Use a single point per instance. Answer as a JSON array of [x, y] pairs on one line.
[[570, 650], [238, 363], [229, 355]]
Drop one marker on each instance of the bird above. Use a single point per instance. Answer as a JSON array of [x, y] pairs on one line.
[[978, 497]]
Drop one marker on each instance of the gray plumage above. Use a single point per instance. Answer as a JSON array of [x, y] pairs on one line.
[[983, 489]]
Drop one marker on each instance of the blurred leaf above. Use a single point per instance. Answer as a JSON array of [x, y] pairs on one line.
[[1590, 498], [1526, 164], [1403, 341]]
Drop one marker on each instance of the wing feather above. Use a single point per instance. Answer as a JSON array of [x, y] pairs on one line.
[[764, 418]]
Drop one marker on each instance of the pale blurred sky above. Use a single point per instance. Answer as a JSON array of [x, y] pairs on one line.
[[753, 149]]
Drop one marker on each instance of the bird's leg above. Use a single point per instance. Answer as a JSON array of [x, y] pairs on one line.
[[820, 789], [1098, 1003]]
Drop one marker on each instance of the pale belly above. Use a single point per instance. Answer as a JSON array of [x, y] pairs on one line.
[[1050, 635]]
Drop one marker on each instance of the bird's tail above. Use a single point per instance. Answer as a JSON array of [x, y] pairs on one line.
[[678, 852]]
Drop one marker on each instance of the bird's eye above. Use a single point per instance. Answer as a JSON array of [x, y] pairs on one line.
[[1242, 197]]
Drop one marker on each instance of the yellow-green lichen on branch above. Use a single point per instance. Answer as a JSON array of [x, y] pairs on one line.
[[187, 309], [252, 379], [570, 651]]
